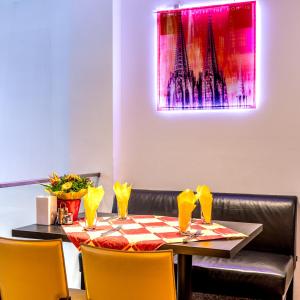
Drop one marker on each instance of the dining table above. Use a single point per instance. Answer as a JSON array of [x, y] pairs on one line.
[[224, 248]]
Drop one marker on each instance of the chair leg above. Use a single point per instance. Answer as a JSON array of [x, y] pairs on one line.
[[82, 285], [289, 293]]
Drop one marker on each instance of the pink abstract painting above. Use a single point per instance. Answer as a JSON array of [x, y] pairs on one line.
[[206, 57]]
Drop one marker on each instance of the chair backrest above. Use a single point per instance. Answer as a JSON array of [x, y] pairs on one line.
[[115, 275], [32, 270], [278, 214]]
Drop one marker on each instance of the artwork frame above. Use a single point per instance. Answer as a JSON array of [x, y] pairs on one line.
[[206, 57]]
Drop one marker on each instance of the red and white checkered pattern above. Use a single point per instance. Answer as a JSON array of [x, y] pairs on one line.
[[143, 232]]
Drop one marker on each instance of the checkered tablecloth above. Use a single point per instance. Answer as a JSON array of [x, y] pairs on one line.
[[143, 232]]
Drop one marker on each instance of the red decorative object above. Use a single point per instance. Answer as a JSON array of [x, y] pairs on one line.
[[72, 205]]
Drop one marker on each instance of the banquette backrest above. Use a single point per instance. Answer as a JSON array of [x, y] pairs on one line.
[[276, 213], [152, 202]]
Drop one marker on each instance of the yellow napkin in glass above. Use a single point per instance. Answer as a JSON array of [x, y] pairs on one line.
[[206, 200], [186, 204], [91, 203], [122, 192]]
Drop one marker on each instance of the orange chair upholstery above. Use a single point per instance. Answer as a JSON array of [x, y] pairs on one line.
[[121, 275], [33, 270]]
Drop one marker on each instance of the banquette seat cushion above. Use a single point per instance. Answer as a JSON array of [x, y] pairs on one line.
[[255, 274]]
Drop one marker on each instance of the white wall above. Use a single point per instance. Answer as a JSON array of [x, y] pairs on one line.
[[255, 151], [91, 121], [56, 88], [251, 152], [33, 115], [55, 101], [33, 107]]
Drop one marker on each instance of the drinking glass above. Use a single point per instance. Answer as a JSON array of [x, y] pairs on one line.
[[90, 221], [184, 221], [122, 208], [206, 213]]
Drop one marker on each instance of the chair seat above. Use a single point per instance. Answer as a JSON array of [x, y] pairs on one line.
[[77, 294], [249, 274]]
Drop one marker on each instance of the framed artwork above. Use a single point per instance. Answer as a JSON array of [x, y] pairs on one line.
[[206, 57]]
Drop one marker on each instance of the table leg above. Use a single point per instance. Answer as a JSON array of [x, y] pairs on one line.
[[184, 277]]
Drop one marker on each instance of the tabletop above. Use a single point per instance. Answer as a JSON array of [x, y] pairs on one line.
[[219, 248]]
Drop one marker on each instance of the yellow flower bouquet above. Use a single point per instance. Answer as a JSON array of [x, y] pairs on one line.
[[69, 189]]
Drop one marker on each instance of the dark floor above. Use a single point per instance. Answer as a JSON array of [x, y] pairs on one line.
[[199, 296]]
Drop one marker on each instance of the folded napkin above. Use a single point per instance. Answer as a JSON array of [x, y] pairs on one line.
[[91, 203], [186, 204], [122, 192], [206, 200]]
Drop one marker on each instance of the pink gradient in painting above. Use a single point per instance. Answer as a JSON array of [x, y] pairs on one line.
[[206, 57]]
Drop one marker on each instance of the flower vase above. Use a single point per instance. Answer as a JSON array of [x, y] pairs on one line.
[[72, 205]]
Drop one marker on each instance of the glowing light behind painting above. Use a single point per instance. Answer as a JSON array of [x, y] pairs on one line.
[[206, 57]]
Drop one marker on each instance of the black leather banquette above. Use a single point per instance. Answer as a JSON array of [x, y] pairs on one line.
[[265, 268]]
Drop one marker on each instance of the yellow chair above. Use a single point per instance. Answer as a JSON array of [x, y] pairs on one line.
[[121, 275], [33, 270]]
